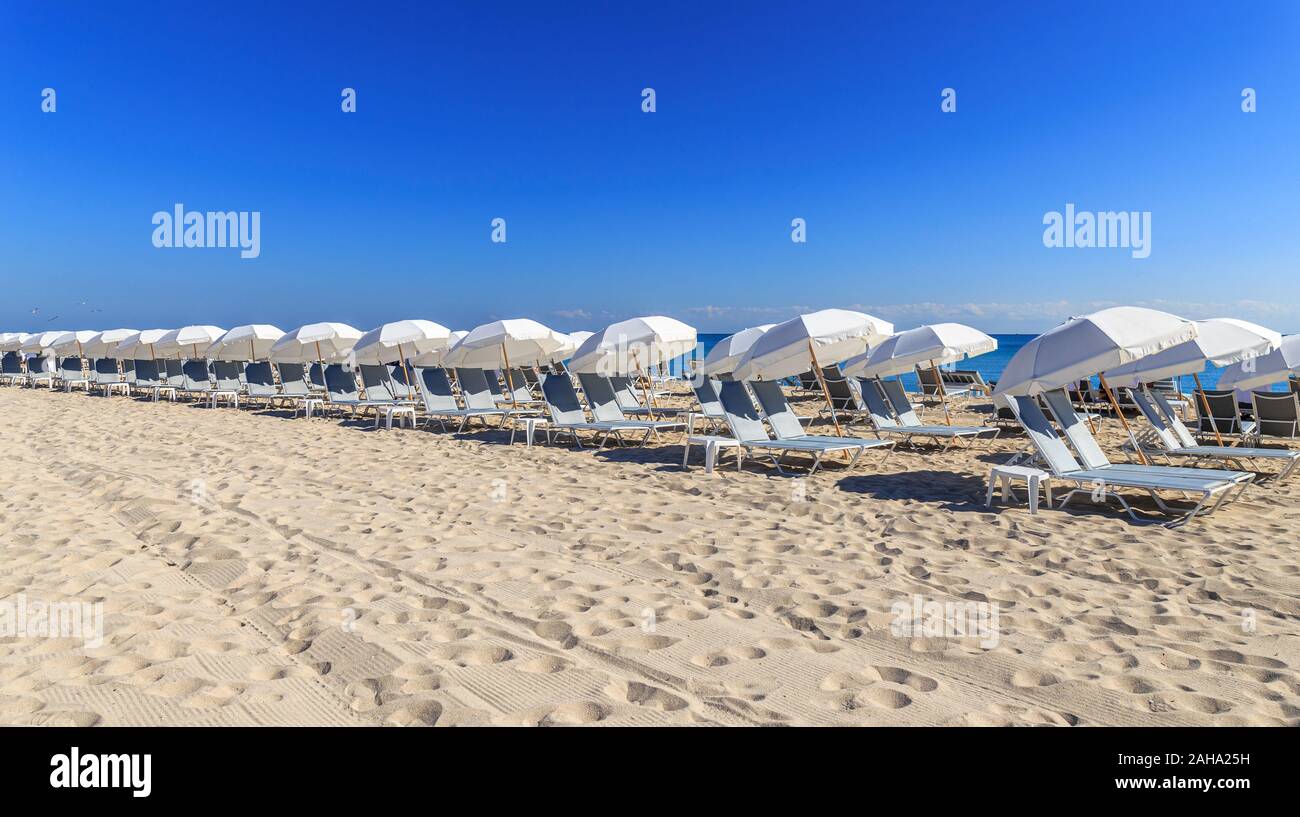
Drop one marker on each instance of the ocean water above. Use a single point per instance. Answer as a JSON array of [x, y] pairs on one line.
[[991, 365]]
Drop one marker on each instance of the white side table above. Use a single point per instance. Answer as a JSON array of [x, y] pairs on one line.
[[530, 427], [223, 394], [1032, 477], [712, 445], [402, 413]]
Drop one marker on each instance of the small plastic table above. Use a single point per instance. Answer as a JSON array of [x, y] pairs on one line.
[[1032, 477]]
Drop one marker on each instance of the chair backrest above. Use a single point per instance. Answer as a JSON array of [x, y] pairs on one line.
[[1277, 414], [601, 398], [929, 380], [518, 385], [898, 399], [401, 389], [1042, 435], [106, 371], [377, 380], [1225, 415], [877, 408], [228, 374], [341, 384], [624, 394], [175, 372], [531, 376], [71, 368], [493, 379], [435, 388], [11, 363], [1075, 430], [146, 373], [562, 401], [476, 388], [293, 379], [317, 375], [1181, 432], [808, 381], [837, 385], [260, 378], [1158, 423], [743, 419], [195, 374], [784, 422], [706, 391]]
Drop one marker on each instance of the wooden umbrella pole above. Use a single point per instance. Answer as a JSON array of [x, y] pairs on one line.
[[826, 392], [1122, 419], [510, 381], [406, 371], [649, 400], [1205, 402], [321, 360], [943, 393]]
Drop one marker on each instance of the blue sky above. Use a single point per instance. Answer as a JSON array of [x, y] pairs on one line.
[[531, 112]]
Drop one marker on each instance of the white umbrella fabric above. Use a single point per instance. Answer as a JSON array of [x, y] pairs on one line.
[[192, 340], [395, 342], [628, 347], [809, 342], [1091, 345], [730, 351], [249, 342], [11, 341], [326, 342], [70, 342], [132, 346], [435, 357], [506, 344], [1274, 367], [104, 344]]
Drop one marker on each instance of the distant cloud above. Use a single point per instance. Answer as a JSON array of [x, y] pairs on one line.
[[573, 314]]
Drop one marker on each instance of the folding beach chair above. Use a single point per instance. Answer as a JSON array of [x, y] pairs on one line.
[[785, 424], [1224, 415], [1277, 415], [108, 379], [229, 376], [72, 374], [603, 403], [440, 400], [568, 417], [259, 381], [897, 398], [706, 392]]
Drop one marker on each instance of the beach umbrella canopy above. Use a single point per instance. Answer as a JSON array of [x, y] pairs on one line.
[[730, 351], [1274, 367], [1088, 345], [928, 346], [104, 344], [70, 343], [11, 341], [630, 346], [400, 340], [506, 344], [251, 341], [1219, 341], [140, 345], [192, 341], [39, 342], [324, 342], [435, 357], [828, 336]]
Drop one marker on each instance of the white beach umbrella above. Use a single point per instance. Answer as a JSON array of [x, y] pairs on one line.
[[727, 354], [812, 341], [1091, 345], [104, 344], [506, 344], [38, 343], [1274, 367], [931, 345], [629, 347], [192, 341], [434, 357], [1219, 341], [316, 342], [70, 343], [140, 344], [395, 342], [249, 342], [11, 341]]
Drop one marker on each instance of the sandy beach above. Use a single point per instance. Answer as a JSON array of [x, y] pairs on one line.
[[257, 569]]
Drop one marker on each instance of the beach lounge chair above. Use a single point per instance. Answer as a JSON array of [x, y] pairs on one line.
[[746, 426], [482, 392], [883, 421], [380, 387], [196, 379], [440, 400], [808, 382], [72, 374], [568, 417], [603, 403], [108, 379], [150, 380], [518, 395], [1101, 483], [11, 369], [785, 424], [968, 379], [706, 392], [930, 380], [1224, 415], [259, 380], [229, 376], [629, 400], [1169, 438], [341, 385], [907, 417], [41, 370], [294, 389], [1277, 415], [397, 384]]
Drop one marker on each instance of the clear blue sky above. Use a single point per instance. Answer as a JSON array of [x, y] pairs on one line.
[[531, 112]]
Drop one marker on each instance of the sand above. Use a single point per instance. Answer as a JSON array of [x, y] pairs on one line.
[[256, 569]]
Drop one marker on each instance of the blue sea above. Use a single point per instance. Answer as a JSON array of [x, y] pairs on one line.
[[991, 365]]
